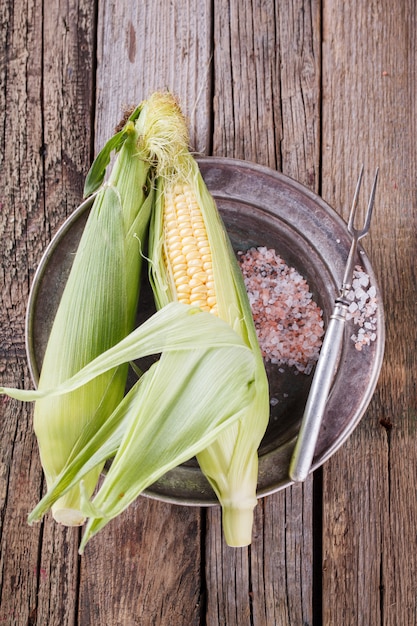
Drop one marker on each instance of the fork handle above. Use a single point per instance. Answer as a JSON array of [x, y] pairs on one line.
[[319, 392]]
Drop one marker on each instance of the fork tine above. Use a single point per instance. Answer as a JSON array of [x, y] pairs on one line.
[[367, 224], [355, 203]]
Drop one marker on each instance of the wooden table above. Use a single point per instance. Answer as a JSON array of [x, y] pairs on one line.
[[312, 89]]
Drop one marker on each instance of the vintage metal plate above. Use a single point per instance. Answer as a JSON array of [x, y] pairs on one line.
[[260, 207]]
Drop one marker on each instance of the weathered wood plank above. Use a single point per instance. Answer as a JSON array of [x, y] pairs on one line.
[[147, 564], [151, 46], [20, 483], [266, 109], [46, 90], [21, 193], [67, 91], [281, 558], [143, 568], [370, 509], [227, 577], [69, 38], [267, 85]]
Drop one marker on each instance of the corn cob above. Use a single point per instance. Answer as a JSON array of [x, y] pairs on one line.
[[96, 311], [192, 261]]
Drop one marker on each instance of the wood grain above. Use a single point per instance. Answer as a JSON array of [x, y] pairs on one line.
[[369, 113], [154, 46], [266, 100], [46, 91], [312, 88], [144, 568]]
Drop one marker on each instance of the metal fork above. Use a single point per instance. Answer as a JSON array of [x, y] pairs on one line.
[[329, 354]]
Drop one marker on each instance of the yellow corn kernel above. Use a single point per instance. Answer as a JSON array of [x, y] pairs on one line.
[[195, 271], [198, 288], [183, 289]]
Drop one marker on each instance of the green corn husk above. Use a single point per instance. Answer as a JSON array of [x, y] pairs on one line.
[[231, 462], [97, 309]]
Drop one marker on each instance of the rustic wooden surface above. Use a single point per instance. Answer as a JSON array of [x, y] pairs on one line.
[[312, 88]]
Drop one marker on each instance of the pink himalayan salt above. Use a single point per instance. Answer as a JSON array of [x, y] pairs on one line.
[[288, 321]]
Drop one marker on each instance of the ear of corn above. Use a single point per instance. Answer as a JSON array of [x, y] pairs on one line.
[[186, 251], [97, 309], [192, 261], [231, 462]]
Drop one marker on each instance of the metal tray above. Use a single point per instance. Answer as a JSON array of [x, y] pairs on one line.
[[260, 207]]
